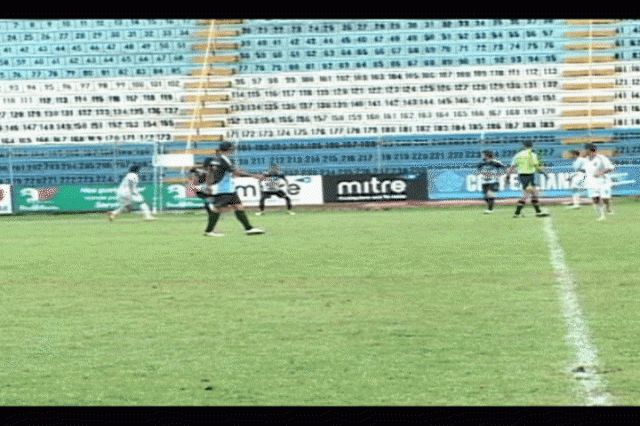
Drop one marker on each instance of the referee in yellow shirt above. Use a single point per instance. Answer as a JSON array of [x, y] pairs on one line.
[[527, 164]]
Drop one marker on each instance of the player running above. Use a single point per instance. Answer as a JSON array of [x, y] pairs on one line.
[[272, 186], [490, 169], [215, 184], [129, 196], [527, 164], [597, 168]]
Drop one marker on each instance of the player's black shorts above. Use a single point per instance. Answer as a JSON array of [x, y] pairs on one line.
[[267, 194], [225, 200], [493, 186], [220, 200], [526, 180], [202, 195]]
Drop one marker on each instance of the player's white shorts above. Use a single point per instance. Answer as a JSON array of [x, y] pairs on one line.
[[601, 191], [129, 199]]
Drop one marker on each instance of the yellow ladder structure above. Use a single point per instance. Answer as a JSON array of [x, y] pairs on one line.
[[590, 86], [211, 91], [208, 103]]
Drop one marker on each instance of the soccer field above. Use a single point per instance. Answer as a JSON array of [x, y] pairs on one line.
[[413, 306]]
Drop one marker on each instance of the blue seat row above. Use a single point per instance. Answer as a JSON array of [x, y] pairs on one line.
[[280, 26], [24, 166], [45, 50], [79, 60], [351, 26], [73, 165], [50, 25], [396, 62], [103, 72], [401, 48]]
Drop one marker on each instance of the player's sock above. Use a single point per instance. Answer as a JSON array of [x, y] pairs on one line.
[[519, 207], [576, 199], [242, 217], [534, 203], [213, 219], [288, 200], [145, 210], [491, 201]]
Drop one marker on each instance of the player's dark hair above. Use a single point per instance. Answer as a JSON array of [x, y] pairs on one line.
[[527, 144], [134, 169], [225, 146], [591, 147], [487, 153]]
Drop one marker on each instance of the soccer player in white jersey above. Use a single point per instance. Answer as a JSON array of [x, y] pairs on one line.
[[577, 179], [597, 168], [129, 195]]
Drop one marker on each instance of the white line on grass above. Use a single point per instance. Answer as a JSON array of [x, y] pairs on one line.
[[593, 390]]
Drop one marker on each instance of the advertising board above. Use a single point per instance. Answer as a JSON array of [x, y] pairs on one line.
[[374, 188], [5, 199], [467, 183]]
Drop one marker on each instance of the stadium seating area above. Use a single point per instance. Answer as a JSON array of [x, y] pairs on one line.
[[124, 48], [89, 48]]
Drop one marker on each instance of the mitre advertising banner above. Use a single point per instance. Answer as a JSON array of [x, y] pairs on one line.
[[5, 199], [467, 183], [302, 190], [374, 188]]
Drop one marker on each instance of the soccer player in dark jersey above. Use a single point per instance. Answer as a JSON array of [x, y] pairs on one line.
[[490, 168], [219, 171], [272, 186]]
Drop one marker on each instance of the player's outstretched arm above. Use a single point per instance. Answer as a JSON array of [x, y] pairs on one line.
[[242, 173]]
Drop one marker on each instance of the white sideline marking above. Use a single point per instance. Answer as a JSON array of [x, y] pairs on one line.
[[585, 368]]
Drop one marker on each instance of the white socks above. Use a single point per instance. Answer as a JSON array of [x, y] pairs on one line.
[[576, 199], [145, 209]]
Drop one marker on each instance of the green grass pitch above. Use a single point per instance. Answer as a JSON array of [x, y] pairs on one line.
[[414, 306]]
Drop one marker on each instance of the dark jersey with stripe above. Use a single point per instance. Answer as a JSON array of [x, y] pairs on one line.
[[220, 172], [490, 169]]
